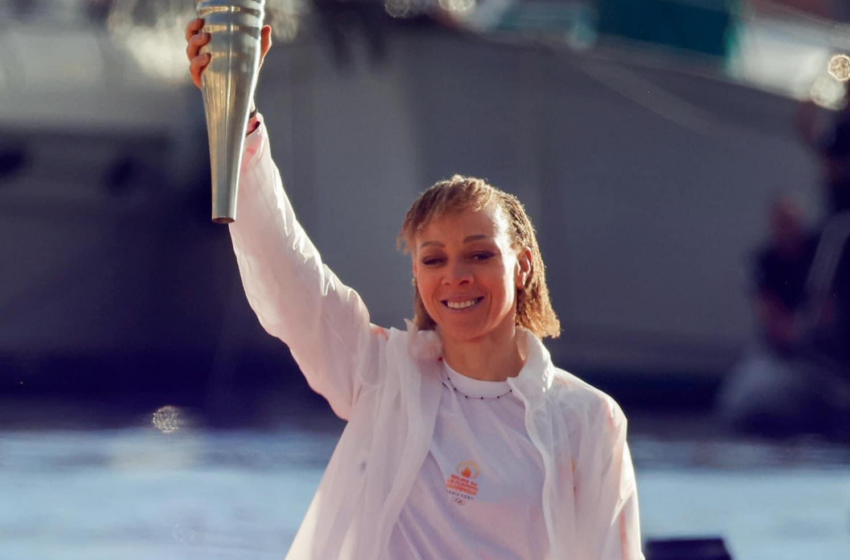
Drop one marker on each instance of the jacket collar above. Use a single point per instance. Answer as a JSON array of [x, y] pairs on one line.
[[534, 379], [425, 345], [538, 373]]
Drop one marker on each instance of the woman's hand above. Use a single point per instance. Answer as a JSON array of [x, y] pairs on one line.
[[196, 38]]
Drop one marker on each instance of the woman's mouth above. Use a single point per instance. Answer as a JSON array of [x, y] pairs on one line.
[[463, 304]]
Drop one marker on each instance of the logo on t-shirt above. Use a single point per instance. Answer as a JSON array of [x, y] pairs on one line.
[[461, 486]]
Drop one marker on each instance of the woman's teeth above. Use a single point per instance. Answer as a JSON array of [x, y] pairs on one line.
[[461, 304]]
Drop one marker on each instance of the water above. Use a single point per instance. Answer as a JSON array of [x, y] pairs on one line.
[[139, 493]]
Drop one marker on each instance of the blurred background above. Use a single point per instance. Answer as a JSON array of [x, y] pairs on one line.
[[684, 161]]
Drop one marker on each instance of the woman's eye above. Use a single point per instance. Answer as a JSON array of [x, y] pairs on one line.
[[431, 261], [482, 256]]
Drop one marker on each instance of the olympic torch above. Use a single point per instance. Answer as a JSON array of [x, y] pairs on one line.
[[228, 85]]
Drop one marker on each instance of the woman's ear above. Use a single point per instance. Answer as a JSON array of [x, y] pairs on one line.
[[523, 268]]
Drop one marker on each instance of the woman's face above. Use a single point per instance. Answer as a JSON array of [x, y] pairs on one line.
[[467, 273]]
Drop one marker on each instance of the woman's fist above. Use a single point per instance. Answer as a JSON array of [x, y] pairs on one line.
[[196, 38]]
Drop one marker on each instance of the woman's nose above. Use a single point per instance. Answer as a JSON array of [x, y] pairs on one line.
[[458, 274]]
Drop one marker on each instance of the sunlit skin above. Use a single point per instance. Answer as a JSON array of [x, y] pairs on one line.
[[196, 38], [465, 257]]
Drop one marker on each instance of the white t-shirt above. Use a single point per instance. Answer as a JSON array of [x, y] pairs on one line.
[[479, 492]]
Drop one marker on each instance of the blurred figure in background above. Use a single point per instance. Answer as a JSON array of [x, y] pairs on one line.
[[767, 392], [780, 272], [797, 378]]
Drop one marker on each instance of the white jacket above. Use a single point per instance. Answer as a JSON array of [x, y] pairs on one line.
[[387, 385]]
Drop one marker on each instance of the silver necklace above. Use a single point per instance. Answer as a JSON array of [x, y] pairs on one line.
[[464, 395]]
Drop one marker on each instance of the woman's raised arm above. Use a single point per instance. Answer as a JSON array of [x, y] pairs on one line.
[[295, 296]]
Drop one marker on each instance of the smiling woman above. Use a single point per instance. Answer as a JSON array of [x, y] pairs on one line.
[[463, 439], [478, 274], [508, 217]]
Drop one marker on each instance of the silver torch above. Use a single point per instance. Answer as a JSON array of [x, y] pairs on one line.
[[228, 85]]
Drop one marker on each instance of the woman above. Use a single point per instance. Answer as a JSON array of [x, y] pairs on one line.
[[463, 440]]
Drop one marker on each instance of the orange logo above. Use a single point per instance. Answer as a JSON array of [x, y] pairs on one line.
[[461, 486], [468, 469]]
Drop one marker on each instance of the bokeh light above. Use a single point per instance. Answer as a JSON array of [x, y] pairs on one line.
[[839, 67], [168, 419]]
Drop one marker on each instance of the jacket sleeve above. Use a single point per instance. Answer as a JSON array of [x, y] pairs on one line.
[[295, 296], [607, 502]]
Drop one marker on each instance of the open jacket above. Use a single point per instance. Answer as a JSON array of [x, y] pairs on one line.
[[386, 384]]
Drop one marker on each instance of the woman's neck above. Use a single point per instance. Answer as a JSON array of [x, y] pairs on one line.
[[486, 359]]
